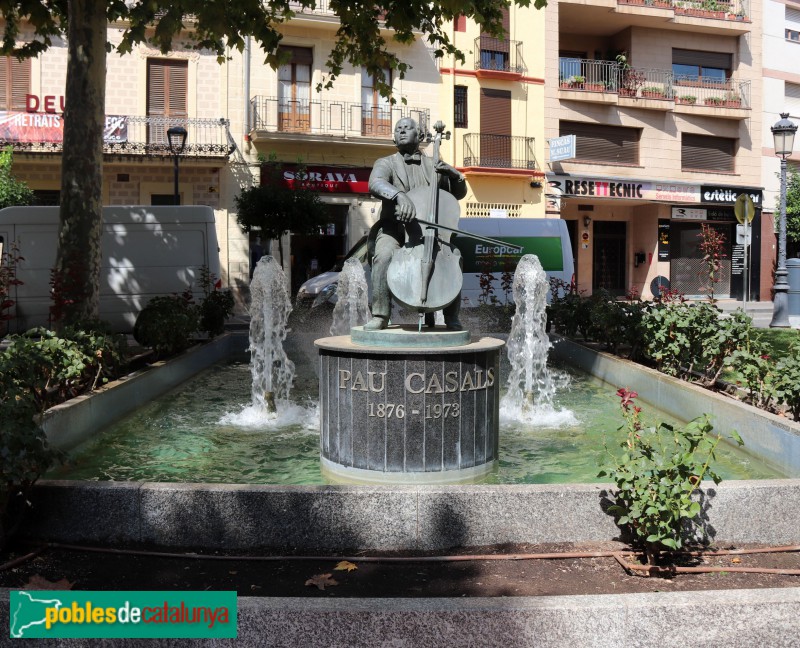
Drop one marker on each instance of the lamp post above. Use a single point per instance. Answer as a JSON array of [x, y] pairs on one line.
[[783, 132], [177, 140]]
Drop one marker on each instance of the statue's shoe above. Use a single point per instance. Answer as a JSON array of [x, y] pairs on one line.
[[453, 325], [376, 324]]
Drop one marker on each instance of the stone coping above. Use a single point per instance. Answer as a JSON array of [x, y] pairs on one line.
[[730, 618], [345, 343]]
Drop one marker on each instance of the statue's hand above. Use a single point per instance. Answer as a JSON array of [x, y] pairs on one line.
[[405, 210], [446, 170]]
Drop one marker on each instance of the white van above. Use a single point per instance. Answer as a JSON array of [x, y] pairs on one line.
[[547, 238], [147, 251]]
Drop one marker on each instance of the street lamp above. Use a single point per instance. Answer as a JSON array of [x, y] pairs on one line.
[[783, 132], [177, 140]]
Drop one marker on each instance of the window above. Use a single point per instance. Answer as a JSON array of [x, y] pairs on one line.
[[46, 197], [791, 93], [570, 64], [495, 135], [792, 24], [294, 90], [460, 107], [602, 143], [707, 153], [15, 83], [167, 89], [376, 110], [705, 69]]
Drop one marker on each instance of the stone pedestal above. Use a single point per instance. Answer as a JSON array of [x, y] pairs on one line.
[[414, 414]]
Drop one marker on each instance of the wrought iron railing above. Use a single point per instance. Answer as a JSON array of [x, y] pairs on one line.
[[500, 151], [129, 135], [341, 118], [605, 76], [321, 7], [498, 54], [718, 9]]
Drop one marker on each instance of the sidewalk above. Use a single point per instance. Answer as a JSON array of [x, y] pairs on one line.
[[760, 311]]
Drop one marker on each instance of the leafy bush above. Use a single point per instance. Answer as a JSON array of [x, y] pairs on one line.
[[786, 387], [167, 324], [215, 308], [656, 475], [9, 260]]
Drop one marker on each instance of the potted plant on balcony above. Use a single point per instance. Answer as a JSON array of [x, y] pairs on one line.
[[689, 100], [653, 92], [733, 100], [630, 79], [714, 101]]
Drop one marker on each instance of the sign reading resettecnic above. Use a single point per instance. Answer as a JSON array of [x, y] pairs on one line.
[[51, 614]]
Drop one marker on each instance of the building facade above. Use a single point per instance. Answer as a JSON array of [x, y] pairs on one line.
[[663, 103]]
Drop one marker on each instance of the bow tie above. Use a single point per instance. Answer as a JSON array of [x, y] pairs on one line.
[[412, 158]]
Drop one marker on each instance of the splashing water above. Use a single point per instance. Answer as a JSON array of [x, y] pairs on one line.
[[531, 384], [352, 305], [271, 369]]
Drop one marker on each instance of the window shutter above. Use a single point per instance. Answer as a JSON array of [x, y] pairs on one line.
[[460, 23], [15, 83], [299, 55], [167, 88], [792, 98], [792, 19], [602, 143], [156, 88], [495, 111], [707, 153], [721, 60]]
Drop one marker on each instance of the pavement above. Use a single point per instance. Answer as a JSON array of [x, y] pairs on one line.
[[760, 311]]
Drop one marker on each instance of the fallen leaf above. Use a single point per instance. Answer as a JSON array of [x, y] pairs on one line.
[[321, 581], [36, 582], [345, 565], [736, 560]]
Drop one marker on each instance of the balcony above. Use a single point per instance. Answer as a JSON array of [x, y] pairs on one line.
[[497, 58], [609, 83], [284, 119], [509, 155], [603, 18], [134, 136]]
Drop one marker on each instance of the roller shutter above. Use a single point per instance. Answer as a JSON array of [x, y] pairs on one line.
[[707, 153], [603, 143]]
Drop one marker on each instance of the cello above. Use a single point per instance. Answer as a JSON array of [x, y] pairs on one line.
[[425, 274]]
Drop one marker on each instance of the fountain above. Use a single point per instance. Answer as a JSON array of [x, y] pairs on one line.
[[352, 305], [531, 384], [271, 369]]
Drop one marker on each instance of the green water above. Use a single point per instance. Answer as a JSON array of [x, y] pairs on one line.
[[180, 438]]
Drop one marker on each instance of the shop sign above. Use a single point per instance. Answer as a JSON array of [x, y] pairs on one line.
[[625, 188], [49, 127], [326, 179], [688, 213], [663, 240], [727, 195], [562, 148]]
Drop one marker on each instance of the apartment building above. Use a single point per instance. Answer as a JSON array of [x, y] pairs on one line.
[[492, 102], [335, 135], [147, 93], [663, 100], [781, 47]]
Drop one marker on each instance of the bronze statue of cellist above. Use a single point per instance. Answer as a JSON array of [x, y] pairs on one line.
[[392, 178]]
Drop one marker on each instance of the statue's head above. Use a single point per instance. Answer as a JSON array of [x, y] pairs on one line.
[[406, 135]]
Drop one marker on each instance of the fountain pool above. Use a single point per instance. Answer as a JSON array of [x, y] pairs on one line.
[[198, 433]]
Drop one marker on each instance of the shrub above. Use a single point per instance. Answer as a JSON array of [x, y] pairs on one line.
[[787, 380], [656, 475], [215, 308], [9, 260], [167, 324]]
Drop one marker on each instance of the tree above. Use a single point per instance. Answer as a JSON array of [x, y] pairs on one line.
[[275, 208], [13, 192], [216, 25]]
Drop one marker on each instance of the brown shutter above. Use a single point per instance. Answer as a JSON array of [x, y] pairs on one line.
[[15, 83], [707, 153], [506, 22], [167, 88], [495, 111], [299, 55], [602, 143]]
